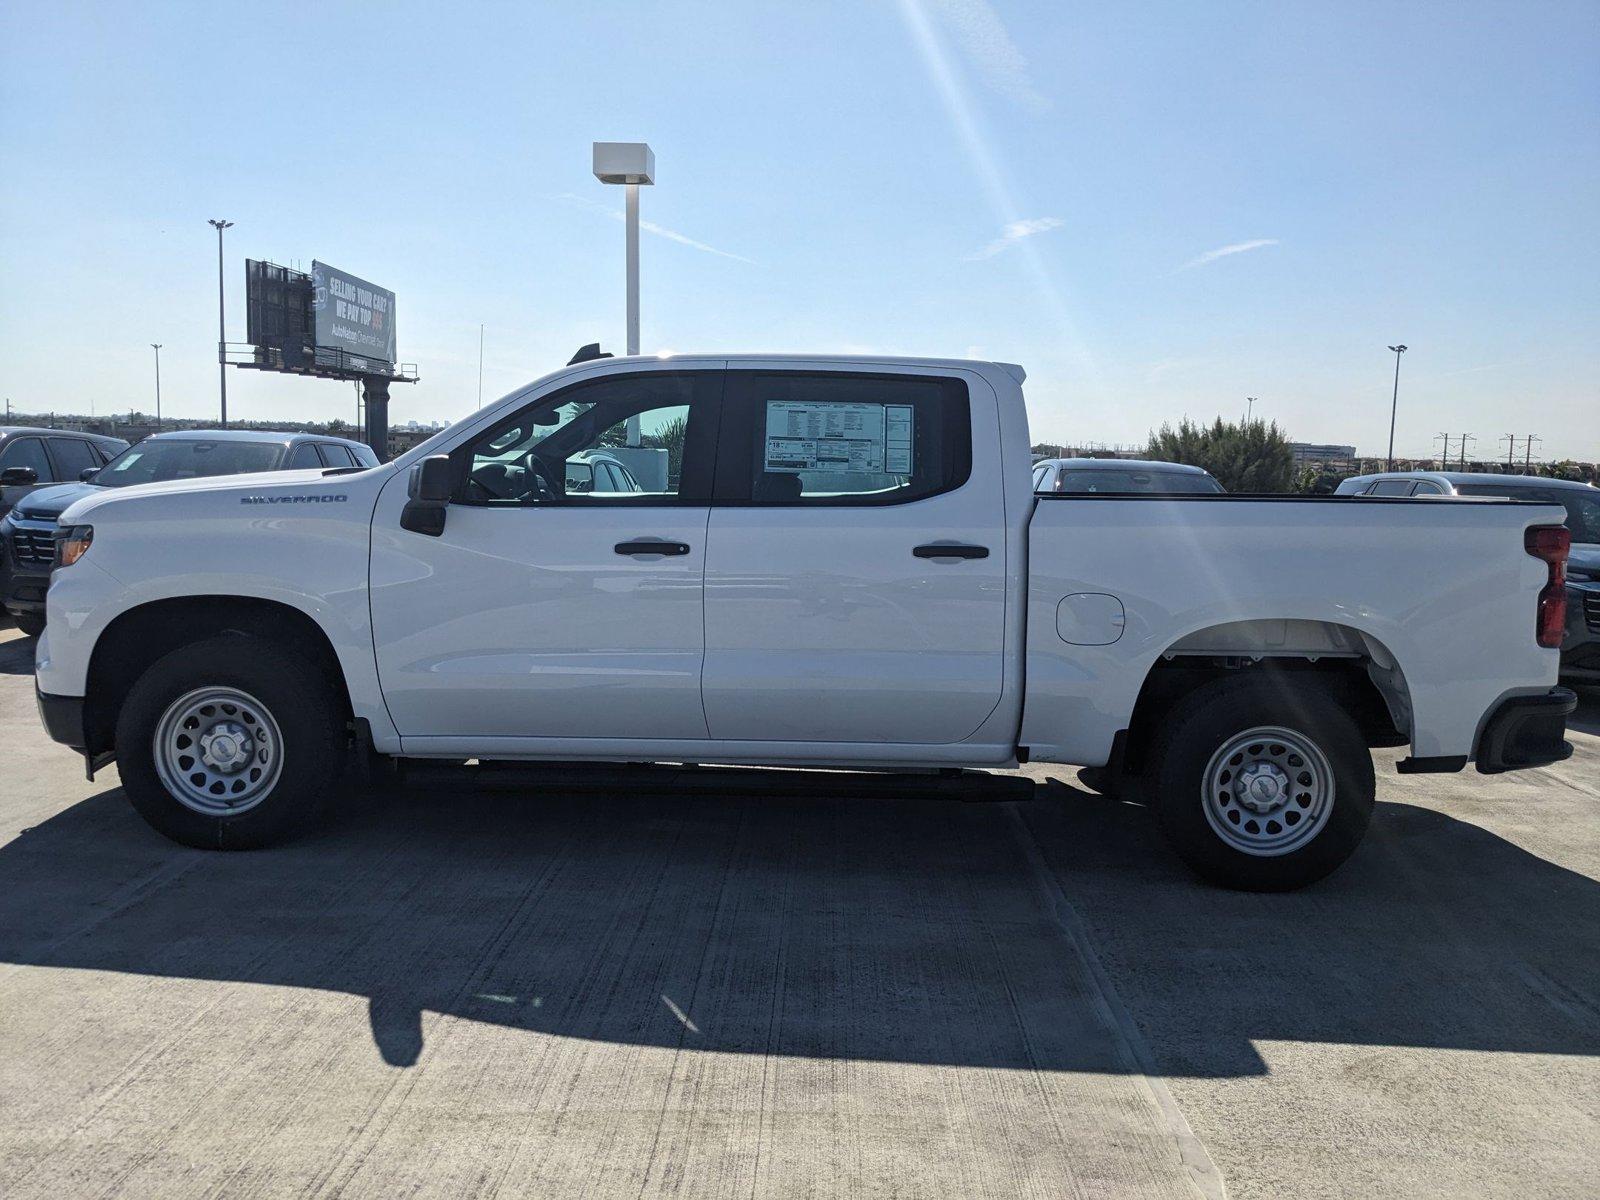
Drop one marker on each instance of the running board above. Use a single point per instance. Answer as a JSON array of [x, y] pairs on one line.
[[687, 780]]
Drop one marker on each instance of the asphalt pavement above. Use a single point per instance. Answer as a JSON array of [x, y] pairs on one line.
[[621, 991]]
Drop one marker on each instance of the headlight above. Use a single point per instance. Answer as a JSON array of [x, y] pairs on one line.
[[72, 544]]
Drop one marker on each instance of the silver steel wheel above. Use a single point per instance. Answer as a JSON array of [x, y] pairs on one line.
[[1268, 791], [218, 751]]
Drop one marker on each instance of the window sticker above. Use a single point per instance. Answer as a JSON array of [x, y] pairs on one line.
[[832, 436]]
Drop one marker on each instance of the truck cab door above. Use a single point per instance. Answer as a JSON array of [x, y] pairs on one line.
[[544, 611], [856, 571]]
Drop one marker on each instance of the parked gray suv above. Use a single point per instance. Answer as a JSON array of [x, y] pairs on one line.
[[34, 458]]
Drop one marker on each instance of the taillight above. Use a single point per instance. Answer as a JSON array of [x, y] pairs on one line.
[[1550, 543]]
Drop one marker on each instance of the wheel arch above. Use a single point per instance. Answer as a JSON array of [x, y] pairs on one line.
[[143, 634], [1355, 666]]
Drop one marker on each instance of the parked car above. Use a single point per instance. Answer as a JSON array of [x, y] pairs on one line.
[[1241, 652], [27, 533], [1580, 649], [597, 471], [1119, 475], [34, 458]]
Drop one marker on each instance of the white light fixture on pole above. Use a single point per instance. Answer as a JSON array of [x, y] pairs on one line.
[[632, 164]]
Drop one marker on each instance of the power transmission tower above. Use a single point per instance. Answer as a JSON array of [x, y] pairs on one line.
[[1444, 456], [1465, 438], [1527, 462], [1511, 450]]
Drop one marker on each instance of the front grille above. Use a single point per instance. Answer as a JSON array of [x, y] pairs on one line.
[[34, 547], [1591, 611]]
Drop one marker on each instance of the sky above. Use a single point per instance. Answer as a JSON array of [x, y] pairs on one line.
[[1157, 209]]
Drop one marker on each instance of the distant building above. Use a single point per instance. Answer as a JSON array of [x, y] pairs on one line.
[[1307, 454]]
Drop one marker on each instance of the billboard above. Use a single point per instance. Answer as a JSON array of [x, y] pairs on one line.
[[352, 314]]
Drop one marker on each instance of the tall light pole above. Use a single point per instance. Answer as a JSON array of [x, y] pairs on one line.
[[222, 325], [156, 346], [1250, 408], [632, 164], [1394, 404]]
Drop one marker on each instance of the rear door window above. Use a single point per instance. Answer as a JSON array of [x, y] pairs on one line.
[[335, 455], [838, 439], [73, 457], [303, 457], [1391, 487]]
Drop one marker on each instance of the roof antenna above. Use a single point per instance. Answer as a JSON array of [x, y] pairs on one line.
[[588, 354]]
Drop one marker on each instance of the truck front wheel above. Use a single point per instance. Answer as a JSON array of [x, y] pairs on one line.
[[231, 743], [1262, 783]]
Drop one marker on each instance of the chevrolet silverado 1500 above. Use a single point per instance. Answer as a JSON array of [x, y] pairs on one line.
[[822, 562]]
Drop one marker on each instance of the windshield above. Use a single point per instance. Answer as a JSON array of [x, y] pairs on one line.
[[154, 462], [1583, 510], [1096, 480]]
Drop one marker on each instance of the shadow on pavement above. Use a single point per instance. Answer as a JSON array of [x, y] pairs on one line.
[[16, 653], [898, 931], [1437, 933], [1587, 717]]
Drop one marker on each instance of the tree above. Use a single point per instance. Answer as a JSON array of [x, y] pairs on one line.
[[1252, 456]]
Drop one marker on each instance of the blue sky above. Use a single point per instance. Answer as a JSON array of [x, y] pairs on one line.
[[1157, 208]]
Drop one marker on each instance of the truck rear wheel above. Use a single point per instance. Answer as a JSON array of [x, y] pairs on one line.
[[231, 743], [1262, 783]]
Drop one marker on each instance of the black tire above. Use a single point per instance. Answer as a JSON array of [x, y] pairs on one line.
[[297, 696], [1202, 724], [31, 624]]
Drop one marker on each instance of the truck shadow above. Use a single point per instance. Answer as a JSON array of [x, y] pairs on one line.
[[907, 931], [16, 650]]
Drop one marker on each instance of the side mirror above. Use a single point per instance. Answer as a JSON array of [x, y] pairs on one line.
[[429, 490], [18, 477], [88, 473]]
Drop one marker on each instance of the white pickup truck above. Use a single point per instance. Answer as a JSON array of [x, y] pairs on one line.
[[806, 562]]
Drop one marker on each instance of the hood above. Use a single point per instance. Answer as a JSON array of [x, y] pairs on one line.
[[271, 485], [48, 503], [99, 497]]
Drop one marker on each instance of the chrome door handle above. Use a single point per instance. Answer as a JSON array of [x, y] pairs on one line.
[[646, 547], [950, 550]]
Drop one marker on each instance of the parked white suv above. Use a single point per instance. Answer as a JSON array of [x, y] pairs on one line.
[[844, 564]]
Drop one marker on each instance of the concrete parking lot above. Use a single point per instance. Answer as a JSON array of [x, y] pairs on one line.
[[450, 992]]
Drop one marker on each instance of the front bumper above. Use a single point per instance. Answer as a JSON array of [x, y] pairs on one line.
[[1527, 731], [63, 719]]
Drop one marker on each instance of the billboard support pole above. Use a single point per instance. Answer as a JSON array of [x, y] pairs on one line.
[[375, 390], [222, 326]]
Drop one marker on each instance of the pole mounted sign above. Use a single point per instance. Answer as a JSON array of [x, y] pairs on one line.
[[352, 314]]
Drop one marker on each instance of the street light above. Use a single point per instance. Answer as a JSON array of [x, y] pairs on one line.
[[1250, 408], [222, 326], [630, 164], [156, 346], [1394, 404]]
